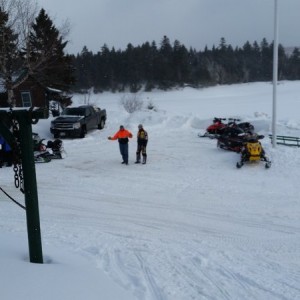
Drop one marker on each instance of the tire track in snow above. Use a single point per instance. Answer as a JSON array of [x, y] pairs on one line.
[[154, 288]]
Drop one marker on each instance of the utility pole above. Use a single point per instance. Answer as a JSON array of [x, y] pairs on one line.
[[275, 73]]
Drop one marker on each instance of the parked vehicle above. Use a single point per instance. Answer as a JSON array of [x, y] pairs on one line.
[[232, 138], [77, 121], [252, 152], [45, 151], [245, 126], [216, 129]]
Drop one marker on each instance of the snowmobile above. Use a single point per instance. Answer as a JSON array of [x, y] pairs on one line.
[[214, 129], [231, 138], [217, 128], [252, 151], [46, 151], [245, 126]]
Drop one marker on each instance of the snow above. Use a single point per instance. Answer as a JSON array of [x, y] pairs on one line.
[[187, 225]]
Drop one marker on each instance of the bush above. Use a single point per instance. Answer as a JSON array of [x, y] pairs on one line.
[[131, 103], [151, 106]]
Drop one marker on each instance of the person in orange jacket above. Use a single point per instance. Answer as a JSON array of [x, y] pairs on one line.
[[122, 136]]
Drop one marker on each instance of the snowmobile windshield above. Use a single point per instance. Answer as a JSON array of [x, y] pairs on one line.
[[74, 111]]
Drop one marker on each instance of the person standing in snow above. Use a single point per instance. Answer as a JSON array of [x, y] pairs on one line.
[[142, 140], [122, 136], [5, 153]]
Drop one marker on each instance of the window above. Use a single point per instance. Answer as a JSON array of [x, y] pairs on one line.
[[26, 99]]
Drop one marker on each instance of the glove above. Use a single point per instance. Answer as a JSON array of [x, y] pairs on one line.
[[109, 137]]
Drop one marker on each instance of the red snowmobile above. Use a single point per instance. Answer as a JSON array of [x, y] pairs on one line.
[[213, 130], [216, 129]]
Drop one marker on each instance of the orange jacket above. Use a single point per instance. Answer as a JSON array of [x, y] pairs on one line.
[[122, 134]]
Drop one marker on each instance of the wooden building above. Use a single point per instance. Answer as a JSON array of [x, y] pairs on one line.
[[29, 92]]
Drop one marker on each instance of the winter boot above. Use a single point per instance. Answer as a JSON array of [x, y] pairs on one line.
[[144, 159], [138, 158]]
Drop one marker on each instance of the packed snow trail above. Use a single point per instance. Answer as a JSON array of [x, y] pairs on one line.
[[184, 225], [188, 224]]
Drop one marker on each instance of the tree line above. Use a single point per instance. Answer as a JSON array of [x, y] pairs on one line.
[[30, 43], [171, 65]]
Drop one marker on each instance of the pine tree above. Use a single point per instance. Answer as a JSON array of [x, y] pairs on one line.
[[180, 63], [164, 69], [47, 60], [294, 65], [266, 60], [8, 54]]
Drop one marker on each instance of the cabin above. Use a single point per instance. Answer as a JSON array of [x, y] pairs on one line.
[[29, 92]]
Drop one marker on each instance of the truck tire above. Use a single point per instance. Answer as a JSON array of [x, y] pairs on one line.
[[101, 124], [82, 132]]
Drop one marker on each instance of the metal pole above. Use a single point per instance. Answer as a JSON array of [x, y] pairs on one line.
[[30, 189], [275, 73]]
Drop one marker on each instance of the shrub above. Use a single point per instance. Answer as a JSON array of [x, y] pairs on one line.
[[151, 106], [131, 103]]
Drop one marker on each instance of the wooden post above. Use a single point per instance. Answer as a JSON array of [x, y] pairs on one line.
[[25, 118], [30, 190]]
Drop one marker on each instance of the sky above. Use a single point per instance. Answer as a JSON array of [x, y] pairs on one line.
[[187, 225], [195, 23]]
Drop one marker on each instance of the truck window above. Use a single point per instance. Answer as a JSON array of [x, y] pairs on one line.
[[88, 112], [74, 111]]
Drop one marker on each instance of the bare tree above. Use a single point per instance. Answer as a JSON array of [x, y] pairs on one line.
[[22, 22], [21, 17], [17, 18]]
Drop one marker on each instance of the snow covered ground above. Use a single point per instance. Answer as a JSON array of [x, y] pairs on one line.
[[188, 225]]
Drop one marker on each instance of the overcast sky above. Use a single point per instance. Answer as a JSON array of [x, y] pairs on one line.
[[195, 23]]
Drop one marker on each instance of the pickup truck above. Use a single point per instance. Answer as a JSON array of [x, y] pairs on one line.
[[77, 121]]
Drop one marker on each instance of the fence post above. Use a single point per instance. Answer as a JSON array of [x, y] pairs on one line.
[[30, 188]]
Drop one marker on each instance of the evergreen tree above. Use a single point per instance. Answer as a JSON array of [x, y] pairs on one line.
[[150, 55], [266, 60], [46, 60], [282, 62], [169, 66], [132, 68], [199, 64], [83, 65], [8, 54], [181, 67], [294, 65], [164, 68]]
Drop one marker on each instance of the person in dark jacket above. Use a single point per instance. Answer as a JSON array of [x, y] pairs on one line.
[[122, 136], [5, 153], [142, 140]]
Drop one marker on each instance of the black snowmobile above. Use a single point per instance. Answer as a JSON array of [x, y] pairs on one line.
[[245, 126], [252, 151], [45, 151], [231, 138]]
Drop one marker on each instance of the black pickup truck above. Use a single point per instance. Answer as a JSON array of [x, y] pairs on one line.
[[76, 121]]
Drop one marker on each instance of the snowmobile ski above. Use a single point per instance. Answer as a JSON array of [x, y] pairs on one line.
[[39, 159]]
